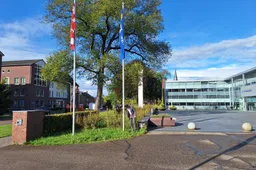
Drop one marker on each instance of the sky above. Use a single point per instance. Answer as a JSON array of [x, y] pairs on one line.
[[210, 39]]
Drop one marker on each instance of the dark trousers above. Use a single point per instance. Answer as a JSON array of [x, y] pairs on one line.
[[133, 124]]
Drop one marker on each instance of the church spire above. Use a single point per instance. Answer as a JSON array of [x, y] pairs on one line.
[[175, 76]]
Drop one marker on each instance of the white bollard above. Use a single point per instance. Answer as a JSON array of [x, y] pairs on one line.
[[247, 127], [191, 126]]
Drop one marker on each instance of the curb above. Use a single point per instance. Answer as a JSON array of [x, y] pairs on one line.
[[199, 133], [186, 133]]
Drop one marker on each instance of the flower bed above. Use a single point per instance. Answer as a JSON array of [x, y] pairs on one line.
[[161, 120]]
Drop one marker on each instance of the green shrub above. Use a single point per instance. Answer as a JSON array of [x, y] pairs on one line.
[[162, 106], [160, 115], [56, 123], [172, 107], [93, 121]]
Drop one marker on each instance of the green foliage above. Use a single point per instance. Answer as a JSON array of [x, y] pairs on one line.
[[86, 136], [172, 107], [60, 122], [97, 34], [93, 121], [5, 130], [5, 101], [162, 106], [160, 115]]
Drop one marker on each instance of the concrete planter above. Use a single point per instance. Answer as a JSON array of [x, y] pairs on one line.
[[161, 122]]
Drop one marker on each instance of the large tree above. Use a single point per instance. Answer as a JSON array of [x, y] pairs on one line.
[[152, 82], [97, 35], [5, 101]]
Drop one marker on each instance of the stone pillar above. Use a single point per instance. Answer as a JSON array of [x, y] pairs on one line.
[[27, 125], [244, 104], [232, 93], [140, 90]]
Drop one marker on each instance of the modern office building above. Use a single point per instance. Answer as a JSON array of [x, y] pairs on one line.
[[236, 92]]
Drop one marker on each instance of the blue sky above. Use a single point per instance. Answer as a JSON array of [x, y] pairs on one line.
[[210, 39]]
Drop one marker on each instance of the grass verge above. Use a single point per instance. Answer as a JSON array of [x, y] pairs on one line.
[[5, 130], [86, 136]]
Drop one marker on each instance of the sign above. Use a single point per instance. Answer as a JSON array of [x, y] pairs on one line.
[[249, 90], [19, 122]]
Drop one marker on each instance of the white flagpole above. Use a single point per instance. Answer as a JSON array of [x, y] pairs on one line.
[[123, 90], [123, 77], [74, 83]]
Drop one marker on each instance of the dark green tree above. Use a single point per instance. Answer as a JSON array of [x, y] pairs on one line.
[[97, 35], [5, 100]]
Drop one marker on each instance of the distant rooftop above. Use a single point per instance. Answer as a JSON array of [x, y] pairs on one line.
[[1, 54], [20, 62]]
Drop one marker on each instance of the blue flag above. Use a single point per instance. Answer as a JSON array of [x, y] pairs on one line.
[[121, 35]]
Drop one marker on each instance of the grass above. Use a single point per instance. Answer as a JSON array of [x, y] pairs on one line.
[[5, 130], [86, 136]]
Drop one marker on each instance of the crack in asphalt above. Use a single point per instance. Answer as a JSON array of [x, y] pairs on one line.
[[126, 151], [240, 144]]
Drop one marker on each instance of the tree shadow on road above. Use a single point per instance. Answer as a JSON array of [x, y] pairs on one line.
[[234, 148]]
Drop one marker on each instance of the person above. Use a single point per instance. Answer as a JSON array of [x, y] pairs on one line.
[[132, 116], [67, 108]]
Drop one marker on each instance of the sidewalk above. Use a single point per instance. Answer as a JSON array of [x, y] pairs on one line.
[[5, 122], [5, 141]]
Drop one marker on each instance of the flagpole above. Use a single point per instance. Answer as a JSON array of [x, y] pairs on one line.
[[74, 84], [123, 90], [123, 75]]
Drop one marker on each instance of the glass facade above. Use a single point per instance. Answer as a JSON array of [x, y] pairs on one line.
[[214, 94]]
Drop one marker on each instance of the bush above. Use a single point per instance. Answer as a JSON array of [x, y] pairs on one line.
[[172, 107], [160, 116], [93, 121], [161, 107], [56, 123]]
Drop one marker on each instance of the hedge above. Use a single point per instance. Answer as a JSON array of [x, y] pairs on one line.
[[56, 123]]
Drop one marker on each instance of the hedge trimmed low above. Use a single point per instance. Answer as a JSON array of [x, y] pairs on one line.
[[56, 123]]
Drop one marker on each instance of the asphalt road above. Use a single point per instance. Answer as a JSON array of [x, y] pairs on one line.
[[211, 121], [144, 152]]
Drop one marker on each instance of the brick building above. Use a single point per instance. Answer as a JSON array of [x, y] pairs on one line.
[[29, 90]]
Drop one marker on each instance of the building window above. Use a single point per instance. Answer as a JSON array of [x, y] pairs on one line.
[[37, 103], [16, 81], [22, 92], [16, 92], [42, 93], [6, 80], [15, 103], [23, 80], [42, 103], [37, 92], [21, 103]]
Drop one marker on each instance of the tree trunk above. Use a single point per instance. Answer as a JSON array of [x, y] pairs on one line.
[[99, 88], [99, 96]]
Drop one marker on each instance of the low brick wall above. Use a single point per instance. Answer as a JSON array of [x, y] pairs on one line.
[[27, 125]]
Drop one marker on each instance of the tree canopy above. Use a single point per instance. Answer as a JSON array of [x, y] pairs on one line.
[[5, 101], [97, 36]]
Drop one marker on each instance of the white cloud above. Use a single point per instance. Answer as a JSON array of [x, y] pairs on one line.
[[238, 50], [85, 85], [211, 73], [19, 39]]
